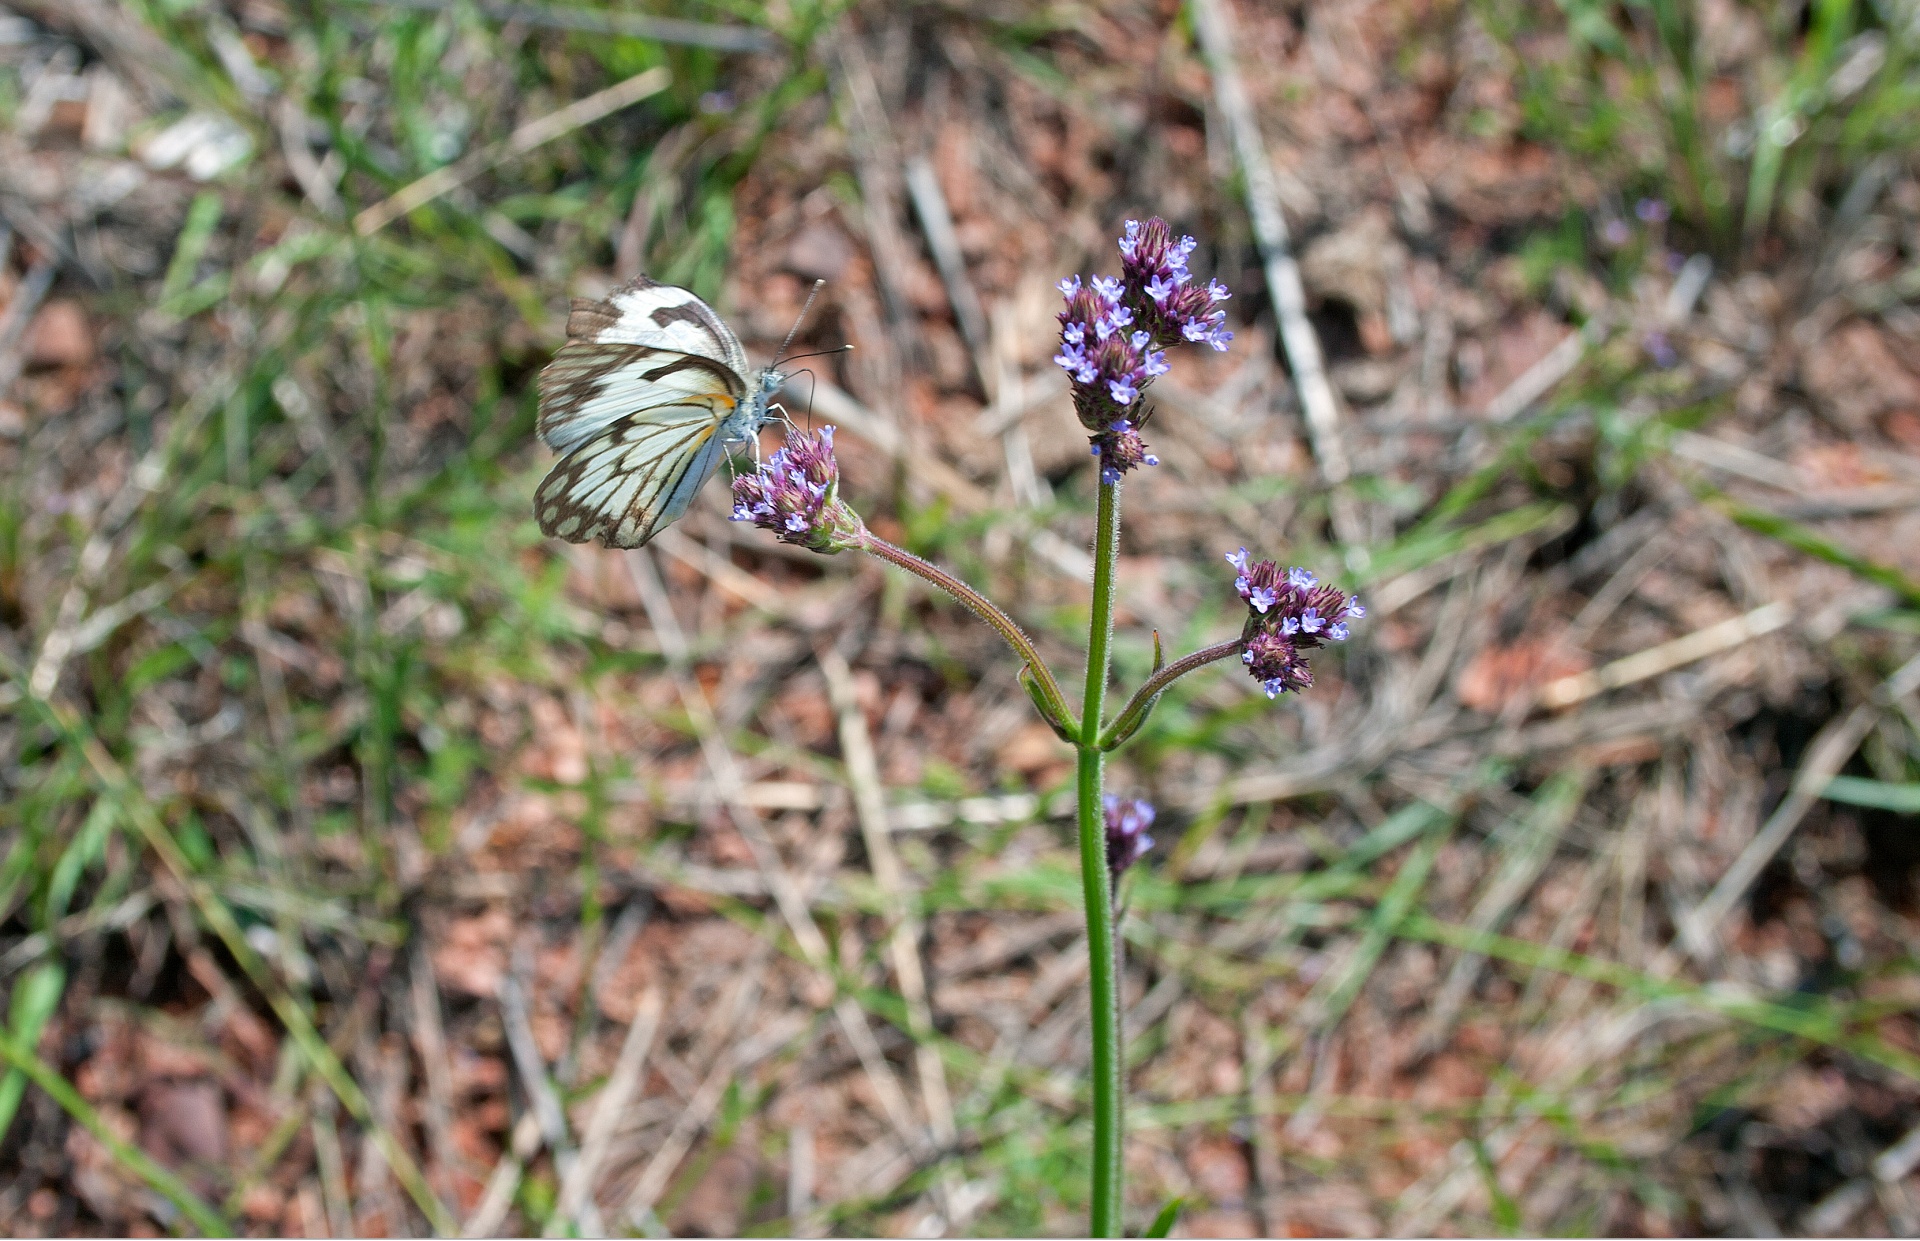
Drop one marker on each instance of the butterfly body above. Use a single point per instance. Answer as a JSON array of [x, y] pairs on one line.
[[643, 401]]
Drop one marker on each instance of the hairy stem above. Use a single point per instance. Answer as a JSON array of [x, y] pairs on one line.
[[1142, 700], [982, 607], [1098, 883]]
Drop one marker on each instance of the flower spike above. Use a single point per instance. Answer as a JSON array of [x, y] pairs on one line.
[[1116, 330], [796, 494], [1288, 614]]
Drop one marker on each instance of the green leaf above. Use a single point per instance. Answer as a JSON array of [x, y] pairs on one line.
[[1061, 728], [1506, 1212], [35, 996], [1804, 539], [1874, 794], [1163, 1223], [202, 218], [86, 848]]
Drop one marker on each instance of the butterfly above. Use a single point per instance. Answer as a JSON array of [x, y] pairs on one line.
[[647, 395]]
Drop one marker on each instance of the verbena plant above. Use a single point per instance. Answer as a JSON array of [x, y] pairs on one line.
[[1114, 337]]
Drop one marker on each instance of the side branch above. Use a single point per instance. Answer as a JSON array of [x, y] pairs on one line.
[[1143, 698], [1049, 689]]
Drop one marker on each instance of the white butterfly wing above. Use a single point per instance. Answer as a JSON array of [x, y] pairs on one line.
[[665, 317], [647, 346], [625, 485]]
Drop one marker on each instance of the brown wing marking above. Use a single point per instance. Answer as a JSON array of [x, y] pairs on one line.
[[572, 504]]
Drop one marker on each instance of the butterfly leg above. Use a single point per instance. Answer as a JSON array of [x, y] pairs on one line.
[[786, 417], [751, 443]]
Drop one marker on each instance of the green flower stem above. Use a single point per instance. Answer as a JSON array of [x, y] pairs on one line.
[[984, 608], [1102, 970], [1143, 698]]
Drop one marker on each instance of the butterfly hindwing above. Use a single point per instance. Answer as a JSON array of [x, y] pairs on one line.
[[623, 486]]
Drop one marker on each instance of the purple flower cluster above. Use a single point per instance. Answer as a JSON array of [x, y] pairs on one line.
[[1127, 822], [796, 494], [1288, 614], [1115, 331]]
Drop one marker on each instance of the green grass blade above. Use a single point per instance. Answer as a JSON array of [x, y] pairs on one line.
[[1800, 538], [1873, 794], [1810, 1018], [1326, 1006], [35, 996], [209, 1221]]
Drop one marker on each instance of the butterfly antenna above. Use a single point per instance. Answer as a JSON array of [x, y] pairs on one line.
[[811, 294], [821, 353]]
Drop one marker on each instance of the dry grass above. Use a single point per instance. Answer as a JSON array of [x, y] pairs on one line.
[[358, 843]]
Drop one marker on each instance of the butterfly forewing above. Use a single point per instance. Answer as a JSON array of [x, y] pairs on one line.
[[647, 344], [589, 387]]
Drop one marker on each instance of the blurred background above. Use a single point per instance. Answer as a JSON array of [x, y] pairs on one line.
[[370, 865]]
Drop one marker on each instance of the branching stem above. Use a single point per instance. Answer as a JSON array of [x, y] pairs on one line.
[[1143, 698]]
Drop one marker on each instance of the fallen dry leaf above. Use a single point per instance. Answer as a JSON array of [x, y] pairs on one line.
[[59, 335], [472, 957], [1500, 675], [1856, 375]]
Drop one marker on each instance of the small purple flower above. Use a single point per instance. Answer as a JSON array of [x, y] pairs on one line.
[[1069, 286], [1109, 288], [1289, 613], [1652, 211], [1160, 288], [1123, 390], [1127, 822], [1615, 233], [796, 494], [1660, 349], [1217, 292]]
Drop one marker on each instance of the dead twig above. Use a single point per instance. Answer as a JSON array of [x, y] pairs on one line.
[[1829, 751], [19, 313], [1214, 28], [576, 1190], [595, 21], [430, 1042], [1657, 660]]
